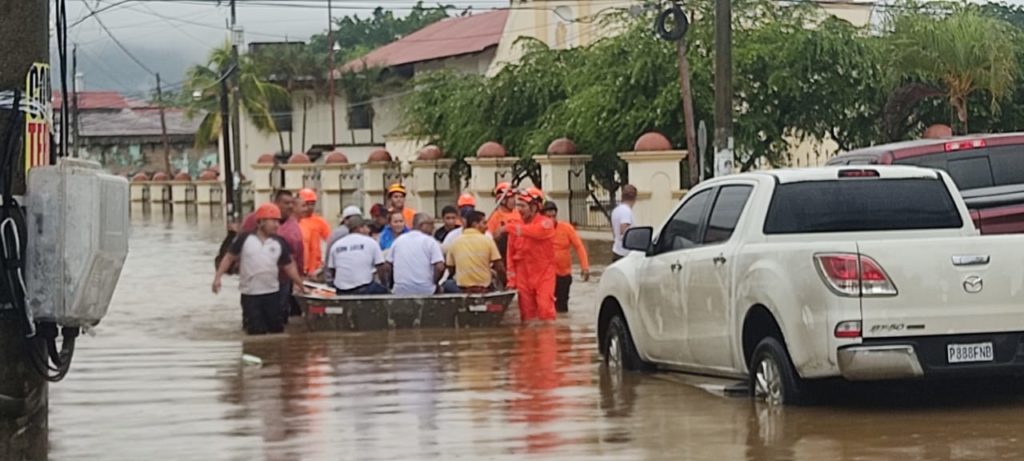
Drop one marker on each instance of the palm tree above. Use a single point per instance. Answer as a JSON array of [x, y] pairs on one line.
[[257, 96], [962, 52], [298, 69]]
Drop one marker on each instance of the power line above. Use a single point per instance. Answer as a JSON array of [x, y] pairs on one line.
[[118, 42]]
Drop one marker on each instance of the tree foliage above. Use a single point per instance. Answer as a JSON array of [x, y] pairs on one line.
[[356, 36], [256, 95], [791, 82], [964, 52]]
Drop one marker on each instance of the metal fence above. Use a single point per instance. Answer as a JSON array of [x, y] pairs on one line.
[[446, 190], [589, 205]]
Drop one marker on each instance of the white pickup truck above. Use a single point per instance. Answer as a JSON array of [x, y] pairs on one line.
[[782, 277]]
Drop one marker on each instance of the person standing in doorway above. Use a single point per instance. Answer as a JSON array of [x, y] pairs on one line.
[[260, 256], [622, 219], [291, 233], [416, 260], [314, 231], [566, 238]]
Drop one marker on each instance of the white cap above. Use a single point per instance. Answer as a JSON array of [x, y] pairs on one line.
[[350, 211]]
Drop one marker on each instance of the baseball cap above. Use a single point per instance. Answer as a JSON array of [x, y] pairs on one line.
[[350, 211]]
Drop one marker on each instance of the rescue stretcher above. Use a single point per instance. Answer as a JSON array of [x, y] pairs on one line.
[[323, 310]]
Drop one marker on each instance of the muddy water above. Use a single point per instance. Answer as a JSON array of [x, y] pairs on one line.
[[163, 379]]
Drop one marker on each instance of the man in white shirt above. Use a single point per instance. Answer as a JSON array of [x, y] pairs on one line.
[[355, 260], [342, 230], [622, 219], [416, 260]]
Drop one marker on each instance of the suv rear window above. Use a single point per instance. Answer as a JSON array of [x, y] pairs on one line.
[[856, 205]]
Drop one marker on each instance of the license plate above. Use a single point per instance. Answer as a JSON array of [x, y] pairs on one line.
[[967, 353], [335, 310], [478, 308]]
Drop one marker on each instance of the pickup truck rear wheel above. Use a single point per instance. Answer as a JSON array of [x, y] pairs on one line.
[[772, 376], [619, 350]]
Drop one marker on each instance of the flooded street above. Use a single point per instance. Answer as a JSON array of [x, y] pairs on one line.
[[163, 379]]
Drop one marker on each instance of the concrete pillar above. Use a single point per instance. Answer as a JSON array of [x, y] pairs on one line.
[[555, 168], [208, 188], [373, 183], [160, 188], [263, 185], [334, 182], [432, 182], [490, 167], [180, 189], [138, 191], [295, 172], [654, 168]]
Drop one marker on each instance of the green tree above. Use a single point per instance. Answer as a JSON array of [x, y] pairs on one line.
[[256, 96], [356, 36], [963, 52]]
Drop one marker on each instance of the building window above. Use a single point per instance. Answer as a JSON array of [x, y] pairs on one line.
[[360, 117]]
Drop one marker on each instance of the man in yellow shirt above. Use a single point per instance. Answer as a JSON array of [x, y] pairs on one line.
[[471, 258]]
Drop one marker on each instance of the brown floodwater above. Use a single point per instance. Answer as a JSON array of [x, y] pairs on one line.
[[163, 378]]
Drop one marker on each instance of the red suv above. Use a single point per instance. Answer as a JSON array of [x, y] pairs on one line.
[[988, 169]]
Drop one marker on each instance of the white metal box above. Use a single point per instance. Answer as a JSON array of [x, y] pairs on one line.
[[78, 227]]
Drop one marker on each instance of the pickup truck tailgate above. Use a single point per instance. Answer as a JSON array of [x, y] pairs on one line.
[[947, 286]]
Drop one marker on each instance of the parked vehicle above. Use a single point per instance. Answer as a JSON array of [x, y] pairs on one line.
[[988, 169], [789, 276]]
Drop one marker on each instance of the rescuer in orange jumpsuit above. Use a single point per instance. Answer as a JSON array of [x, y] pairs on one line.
[[531, 261], [315, 230], [506, 211]]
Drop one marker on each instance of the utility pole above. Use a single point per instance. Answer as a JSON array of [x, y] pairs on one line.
[[24, 41], [723, 84], [163, 128], [692, 153], [330, 74], [225, 136], [236, 130], [74, 101]]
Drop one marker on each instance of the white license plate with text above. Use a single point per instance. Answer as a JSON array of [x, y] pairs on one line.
[[967, 353]]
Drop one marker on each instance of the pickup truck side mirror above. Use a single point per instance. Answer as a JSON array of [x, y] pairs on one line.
[[638, 238]]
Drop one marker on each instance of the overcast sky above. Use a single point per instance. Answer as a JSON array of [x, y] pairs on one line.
[[168, 36]]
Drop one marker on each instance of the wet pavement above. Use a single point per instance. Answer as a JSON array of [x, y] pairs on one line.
[[163, 379]]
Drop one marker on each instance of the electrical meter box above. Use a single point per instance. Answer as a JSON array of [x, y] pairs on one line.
[[78, 224]]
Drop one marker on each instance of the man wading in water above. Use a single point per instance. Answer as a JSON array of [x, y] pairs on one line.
[[260, 255]]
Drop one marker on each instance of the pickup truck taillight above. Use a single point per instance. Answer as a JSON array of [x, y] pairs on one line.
[[854, 275]]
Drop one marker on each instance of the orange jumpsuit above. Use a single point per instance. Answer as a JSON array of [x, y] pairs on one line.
[[314, 231], [531, 266], [566, 238], [501, 218]]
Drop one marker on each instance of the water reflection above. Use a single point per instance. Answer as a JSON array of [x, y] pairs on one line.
[[164, 379]]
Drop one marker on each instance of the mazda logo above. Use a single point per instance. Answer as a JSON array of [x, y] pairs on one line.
[[973, 284]]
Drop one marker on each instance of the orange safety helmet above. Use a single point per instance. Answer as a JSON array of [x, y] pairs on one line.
[[268, 211], [466, 199], [532, 195], [396, 188], [307, 195], [502, 189]]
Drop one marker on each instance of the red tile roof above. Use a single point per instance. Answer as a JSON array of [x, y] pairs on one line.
[[443, 39], [92, 100]]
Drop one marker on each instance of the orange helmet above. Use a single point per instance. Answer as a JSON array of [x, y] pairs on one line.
[[532, 195], [268, 211], [502, 189], [307, 195], [466, 199], [396, 188]]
